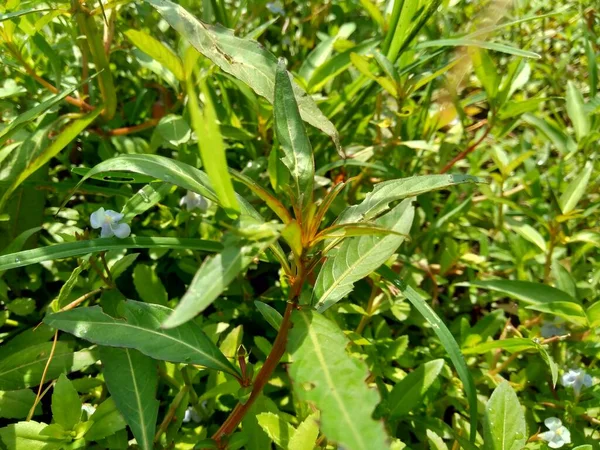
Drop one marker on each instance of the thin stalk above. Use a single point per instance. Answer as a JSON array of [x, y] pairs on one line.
[[39, 392]]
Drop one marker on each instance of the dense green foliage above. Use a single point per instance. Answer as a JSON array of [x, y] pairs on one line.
[[303, 225]]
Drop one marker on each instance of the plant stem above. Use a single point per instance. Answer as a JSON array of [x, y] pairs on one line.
[[262, 378], [469, 149], [39, 393]]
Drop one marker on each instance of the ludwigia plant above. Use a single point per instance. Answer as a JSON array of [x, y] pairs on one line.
[[277, 304]]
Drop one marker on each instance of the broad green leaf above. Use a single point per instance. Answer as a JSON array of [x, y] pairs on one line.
[[16, 404], [409, 392], [384, 193], [140, 329], [570, 311], [575, 190], [593, 315], [504, 426], [23, 12], [69, 133], [276, 427], [583, 447], [486, 72], [214, 275], [306, 434], [298, 156], [132, 380], [510, 345], [107, 420], [529, 233], [148, 285], [324, 374], [355, 229], [563, 279], [157, 50], [576, 110], [271, 315], [495, 46], [212, 148], [31, 114], [357, 257], [66, 405], [528, 292], [446, 338], [25, 367], [144, 199], [245, 59], [79, 248], [174, 129], [27, 436]]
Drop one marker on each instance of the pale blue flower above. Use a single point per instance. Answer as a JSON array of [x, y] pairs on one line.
[[576, 379], [108, 221], [557, 434], [192, 201]]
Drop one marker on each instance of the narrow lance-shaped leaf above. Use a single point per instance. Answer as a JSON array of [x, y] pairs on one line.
[[569, 199], [140, 329], [293, 138], [132, 380], [445, 337], [324, 374], [69, 133], [504, 427], [409, 392], [245, 59], [212, 148], [383, 194], [79, 248], [157, 50], [357, 257], [66, 404], [576, 110], [526, 291], [214, 275]]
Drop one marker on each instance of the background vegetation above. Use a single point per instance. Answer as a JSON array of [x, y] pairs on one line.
[[501, 96]]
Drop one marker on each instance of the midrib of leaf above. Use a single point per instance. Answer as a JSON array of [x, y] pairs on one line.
[[296, 166], [138, 401], [330, 382], [197, 350], [350, 268]]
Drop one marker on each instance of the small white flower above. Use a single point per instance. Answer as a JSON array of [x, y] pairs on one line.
[[576, 379], [191, 414], [558, 435], [109, 222], [89, 409], [194, 201], [276, 8]]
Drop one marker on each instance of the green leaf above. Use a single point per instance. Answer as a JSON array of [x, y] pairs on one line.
[[593, 314], [25, 367], [79, 248], [212, 148], [132, 380], [271, 315], [446, 338], [569, 199], [504, 426], [570, 311], [511, 345], [140, 329], [306, 434], [245, 59], [384, 193], [563, 143], [27, 436], [324, 374], [174, 129], [359, 256], [486, 72], [15, 14], [526, 291], [293, 138], [16, 404], [148, 285], [65, 290], [66, 405], [144, 199], [576, 110], [28, 116], [409, 392], [462, 42], [107, 420], [69, 133], [157, 50], [276, 427], [214, 275]]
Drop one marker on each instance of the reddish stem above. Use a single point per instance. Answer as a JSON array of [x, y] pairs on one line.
[[468, 150]]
